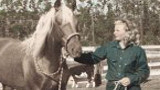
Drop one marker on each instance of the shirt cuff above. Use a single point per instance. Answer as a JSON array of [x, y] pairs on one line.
[[134, 79]]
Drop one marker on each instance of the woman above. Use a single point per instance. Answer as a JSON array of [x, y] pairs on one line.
[[127, 62]]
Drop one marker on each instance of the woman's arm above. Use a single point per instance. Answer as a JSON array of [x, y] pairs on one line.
[[94, 57], [85, 58], [142, 72]]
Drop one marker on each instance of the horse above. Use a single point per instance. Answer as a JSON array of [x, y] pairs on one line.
[[81, 73], [36, 63]]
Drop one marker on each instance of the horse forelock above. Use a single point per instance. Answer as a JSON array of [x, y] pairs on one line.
[[36, 42]]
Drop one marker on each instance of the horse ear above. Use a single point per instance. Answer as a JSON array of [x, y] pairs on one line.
[[74, 5], [71, 4], [57, 4]]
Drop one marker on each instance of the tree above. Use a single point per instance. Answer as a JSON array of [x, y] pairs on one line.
[[18, 18]]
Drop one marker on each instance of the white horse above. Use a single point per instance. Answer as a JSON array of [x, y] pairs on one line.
[[82, 73]]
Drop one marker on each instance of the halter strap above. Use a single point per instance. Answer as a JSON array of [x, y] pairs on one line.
[[69, 38]]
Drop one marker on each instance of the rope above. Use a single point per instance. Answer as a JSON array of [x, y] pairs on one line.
[[63, 58], [48, 74], [61, 74], [60, 80], [116, 85], [60, 69]]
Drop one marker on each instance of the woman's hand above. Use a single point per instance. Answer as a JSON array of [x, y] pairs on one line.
[[125, 81]]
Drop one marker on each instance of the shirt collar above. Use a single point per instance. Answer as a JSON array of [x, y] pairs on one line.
[[116, 45]]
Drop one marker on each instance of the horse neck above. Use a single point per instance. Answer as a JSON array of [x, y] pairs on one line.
[[52, 55]]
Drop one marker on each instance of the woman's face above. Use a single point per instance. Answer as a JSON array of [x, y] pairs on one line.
[[120, 31]]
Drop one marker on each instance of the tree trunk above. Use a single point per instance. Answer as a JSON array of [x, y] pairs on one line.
[[7, 27]]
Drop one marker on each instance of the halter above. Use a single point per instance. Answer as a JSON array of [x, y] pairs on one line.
[[69, 38]]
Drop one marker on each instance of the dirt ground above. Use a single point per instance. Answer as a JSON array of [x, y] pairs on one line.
[[152, 84]]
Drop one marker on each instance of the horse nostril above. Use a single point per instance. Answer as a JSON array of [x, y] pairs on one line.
[[80, 51], [72, 49], [77, 52]]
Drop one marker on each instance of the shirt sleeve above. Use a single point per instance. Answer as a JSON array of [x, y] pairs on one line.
[[142, 72], [94, 57]]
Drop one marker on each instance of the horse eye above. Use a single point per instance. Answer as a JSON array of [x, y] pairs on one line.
[[58, 20], [78, 29]]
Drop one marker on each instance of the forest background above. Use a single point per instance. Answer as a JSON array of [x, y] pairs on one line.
[[18, 18]]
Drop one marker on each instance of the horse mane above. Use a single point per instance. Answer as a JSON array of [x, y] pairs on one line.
[[36, 43]]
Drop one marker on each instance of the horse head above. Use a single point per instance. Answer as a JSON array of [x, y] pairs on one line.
[[60, 25], [67, 23]]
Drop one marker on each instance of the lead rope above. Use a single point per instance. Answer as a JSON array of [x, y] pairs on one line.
[[118, 83], [61, 76], [63, 58], [47, 74], [60, 69]]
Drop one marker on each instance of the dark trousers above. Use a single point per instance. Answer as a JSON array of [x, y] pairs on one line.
[[111, 86]]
